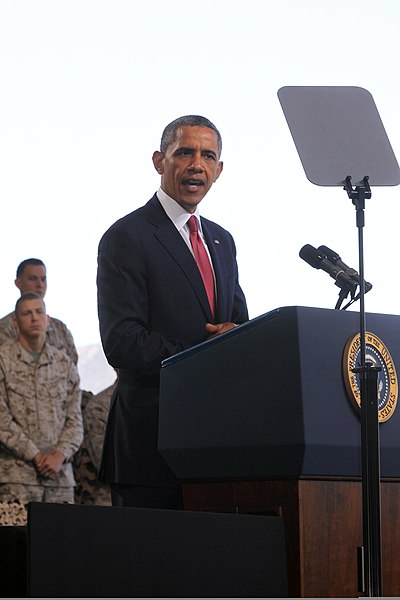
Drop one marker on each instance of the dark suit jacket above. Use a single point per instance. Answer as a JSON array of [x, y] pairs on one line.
[[152, 304]]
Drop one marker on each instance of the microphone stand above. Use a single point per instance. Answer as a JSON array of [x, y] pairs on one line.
[[344, 292], [370, 566]]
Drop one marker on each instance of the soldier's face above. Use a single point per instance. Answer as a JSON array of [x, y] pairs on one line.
[[32, 279], [31, 318]]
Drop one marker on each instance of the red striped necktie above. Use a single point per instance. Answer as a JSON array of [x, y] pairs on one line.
[[202, 260]]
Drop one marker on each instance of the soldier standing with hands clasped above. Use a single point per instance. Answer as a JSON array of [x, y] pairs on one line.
[[40, 414]]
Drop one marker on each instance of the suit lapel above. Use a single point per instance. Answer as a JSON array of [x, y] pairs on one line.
[[172, 241], [216, 252]]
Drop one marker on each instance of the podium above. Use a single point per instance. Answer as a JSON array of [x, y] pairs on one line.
[[258, 421]]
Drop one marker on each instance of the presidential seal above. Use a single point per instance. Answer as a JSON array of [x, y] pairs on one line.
[[379, 356]]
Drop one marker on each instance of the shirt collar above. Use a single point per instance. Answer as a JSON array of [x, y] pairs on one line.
[[178, 215]]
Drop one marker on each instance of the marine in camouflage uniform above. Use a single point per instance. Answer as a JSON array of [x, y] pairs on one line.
[[86, 461], [40, 416], [57, 334], [32, 277]]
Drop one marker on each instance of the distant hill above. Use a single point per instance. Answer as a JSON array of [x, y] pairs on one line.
[[94, 370]]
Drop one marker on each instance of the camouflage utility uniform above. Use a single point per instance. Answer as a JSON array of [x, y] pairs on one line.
[[57, 334], [39, 412], [86, 461]]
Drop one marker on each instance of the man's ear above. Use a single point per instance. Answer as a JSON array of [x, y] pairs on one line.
[[18, 283], [219, 170], [158, 160]]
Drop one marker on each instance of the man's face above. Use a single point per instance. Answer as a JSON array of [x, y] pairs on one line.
[[31, 318], [189, 166], [33, 279]]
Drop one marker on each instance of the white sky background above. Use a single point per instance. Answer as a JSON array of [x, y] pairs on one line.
[[87, 87]]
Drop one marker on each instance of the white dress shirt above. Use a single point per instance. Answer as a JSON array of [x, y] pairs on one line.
[[179, 216]]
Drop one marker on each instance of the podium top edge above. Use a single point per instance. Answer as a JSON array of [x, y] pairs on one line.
[[254, 322]]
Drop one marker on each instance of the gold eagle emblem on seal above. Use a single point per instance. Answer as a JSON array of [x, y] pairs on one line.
[[379, 356]]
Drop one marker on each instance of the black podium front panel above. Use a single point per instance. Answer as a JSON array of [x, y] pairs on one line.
[[101, 551], [267, 400]]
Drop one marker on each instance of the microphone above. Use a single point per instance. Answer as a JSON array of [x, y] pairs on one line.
[[318, 260], [334, 258]]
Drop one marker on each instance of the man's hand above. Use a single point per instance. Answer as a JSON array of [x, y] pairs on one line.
[[49, 465], [219, 328]]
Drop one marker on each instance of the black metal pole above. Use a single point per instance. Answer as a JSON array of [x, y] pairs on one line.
[[371, 567], [371, 483]]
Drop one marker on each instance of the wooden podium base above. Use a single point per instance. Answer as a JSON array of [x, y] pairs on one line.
[[323, 528]]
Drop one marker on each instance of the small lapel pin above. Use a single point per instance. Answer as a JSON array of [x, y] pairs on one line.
[[216, 241]]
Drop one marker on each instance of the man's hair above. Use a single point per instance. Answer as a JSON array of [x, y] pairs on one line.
[[28, 296], [170, 132], [29, 261]]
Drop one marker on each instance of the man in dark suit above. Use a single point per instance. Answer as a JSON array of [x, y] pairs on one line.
[[153, 303]]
